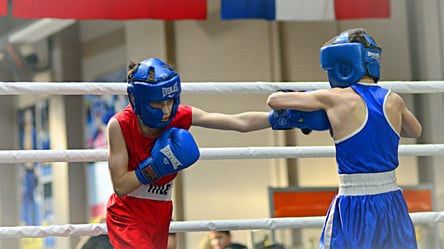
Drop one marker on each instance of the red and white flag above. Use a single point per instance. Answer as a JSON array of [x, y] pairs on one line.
[[110, 9]]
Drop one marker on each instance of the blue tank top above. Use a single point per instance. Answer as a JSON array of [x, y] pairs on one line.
[[374, 146]]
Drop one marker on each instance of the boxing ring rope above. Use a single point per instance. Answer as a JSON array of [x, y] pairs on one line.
[[103, 88], [193, 226], [272, 152]]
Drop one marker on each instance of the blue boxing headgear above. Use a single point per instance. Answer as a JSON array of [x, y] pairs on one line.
[[153, 81], [348, 61]]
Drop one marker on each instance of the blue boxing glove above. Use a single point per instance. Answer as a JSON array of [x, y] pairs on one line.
[[306, 121], [173, 151]]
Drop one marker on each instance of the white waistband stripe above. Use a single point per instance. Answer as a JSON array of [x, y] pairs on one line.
[[154, 192], [367, 184]]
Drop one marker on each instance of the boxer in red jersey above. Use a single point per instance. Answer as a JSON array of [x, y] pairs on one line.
[[148, 144]]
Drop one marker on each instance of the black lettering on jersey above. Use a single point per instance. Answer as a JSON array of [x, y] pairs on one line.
[[159, 189]]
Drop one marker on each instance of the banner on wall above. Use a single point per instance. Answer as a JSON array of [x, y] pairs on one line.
[[303, 202], [99, 109], [304, 10], [280, 10], [3, 7], [36, 200], [111, 9]]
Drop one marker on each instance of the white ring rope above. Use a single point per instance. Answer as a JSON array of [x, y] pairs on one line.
[[272, 152], [103, 88], [194, 226]]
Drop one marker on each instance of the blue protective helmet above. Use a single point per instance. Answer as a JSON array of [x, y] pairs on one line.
[[348, 61], [153, 81]]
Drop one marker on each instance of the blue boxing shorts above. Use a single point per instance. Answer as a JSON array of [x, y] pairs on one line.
[[369, 212]]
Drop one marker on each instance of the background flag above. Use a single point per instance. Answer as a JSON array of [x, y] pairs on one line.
[[3, 7], [110, 9], [304, 10], [355, 9]]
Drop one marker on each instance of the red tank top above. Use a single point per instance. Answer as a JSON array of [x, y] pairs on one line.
[[138, 145]]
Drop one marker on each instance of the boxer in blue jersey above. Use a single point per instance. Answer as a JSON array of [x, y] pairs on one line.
[[366, 121]]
